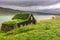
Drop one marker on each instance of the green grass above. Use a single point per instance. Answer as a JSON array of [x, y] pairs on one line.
[[2, 34], [43, 30]]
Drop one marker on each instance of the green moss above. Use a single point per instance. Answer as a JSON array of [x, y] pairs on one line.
[[21, 16], [12, 22]]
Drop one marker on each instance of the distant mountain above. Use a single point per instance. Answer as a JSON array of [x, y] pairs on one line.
[[42, 13], [8, 10]]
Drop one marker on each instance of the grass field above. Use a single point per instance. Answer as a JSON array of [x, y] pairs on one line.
[[43, 30]]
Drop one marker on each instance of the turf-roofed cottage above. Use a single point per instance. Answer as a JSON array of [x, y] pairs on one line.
[[17, 21]]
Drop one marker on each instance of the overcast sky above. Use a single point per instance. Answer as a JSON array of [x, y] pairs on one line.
[[51, 6]]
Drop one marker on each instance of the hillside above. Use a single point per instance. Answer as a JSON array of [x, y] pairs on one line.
[[8, 11], [13, 11], [43, 30]]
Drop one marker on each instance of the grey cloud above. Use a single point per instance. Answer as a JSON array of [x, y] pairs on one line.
[[55, 11], [28, 2]]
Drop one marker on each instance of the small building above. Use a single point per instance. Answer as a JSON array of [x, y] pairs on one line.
[[17, 21]]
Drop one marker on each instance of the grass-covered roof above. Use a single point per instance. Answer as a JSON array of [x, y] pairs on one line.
[[21, 16], [13, 22]]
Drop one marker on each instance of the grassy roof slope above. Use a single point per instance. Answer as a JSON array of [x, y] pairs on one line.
[[21, 16]]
